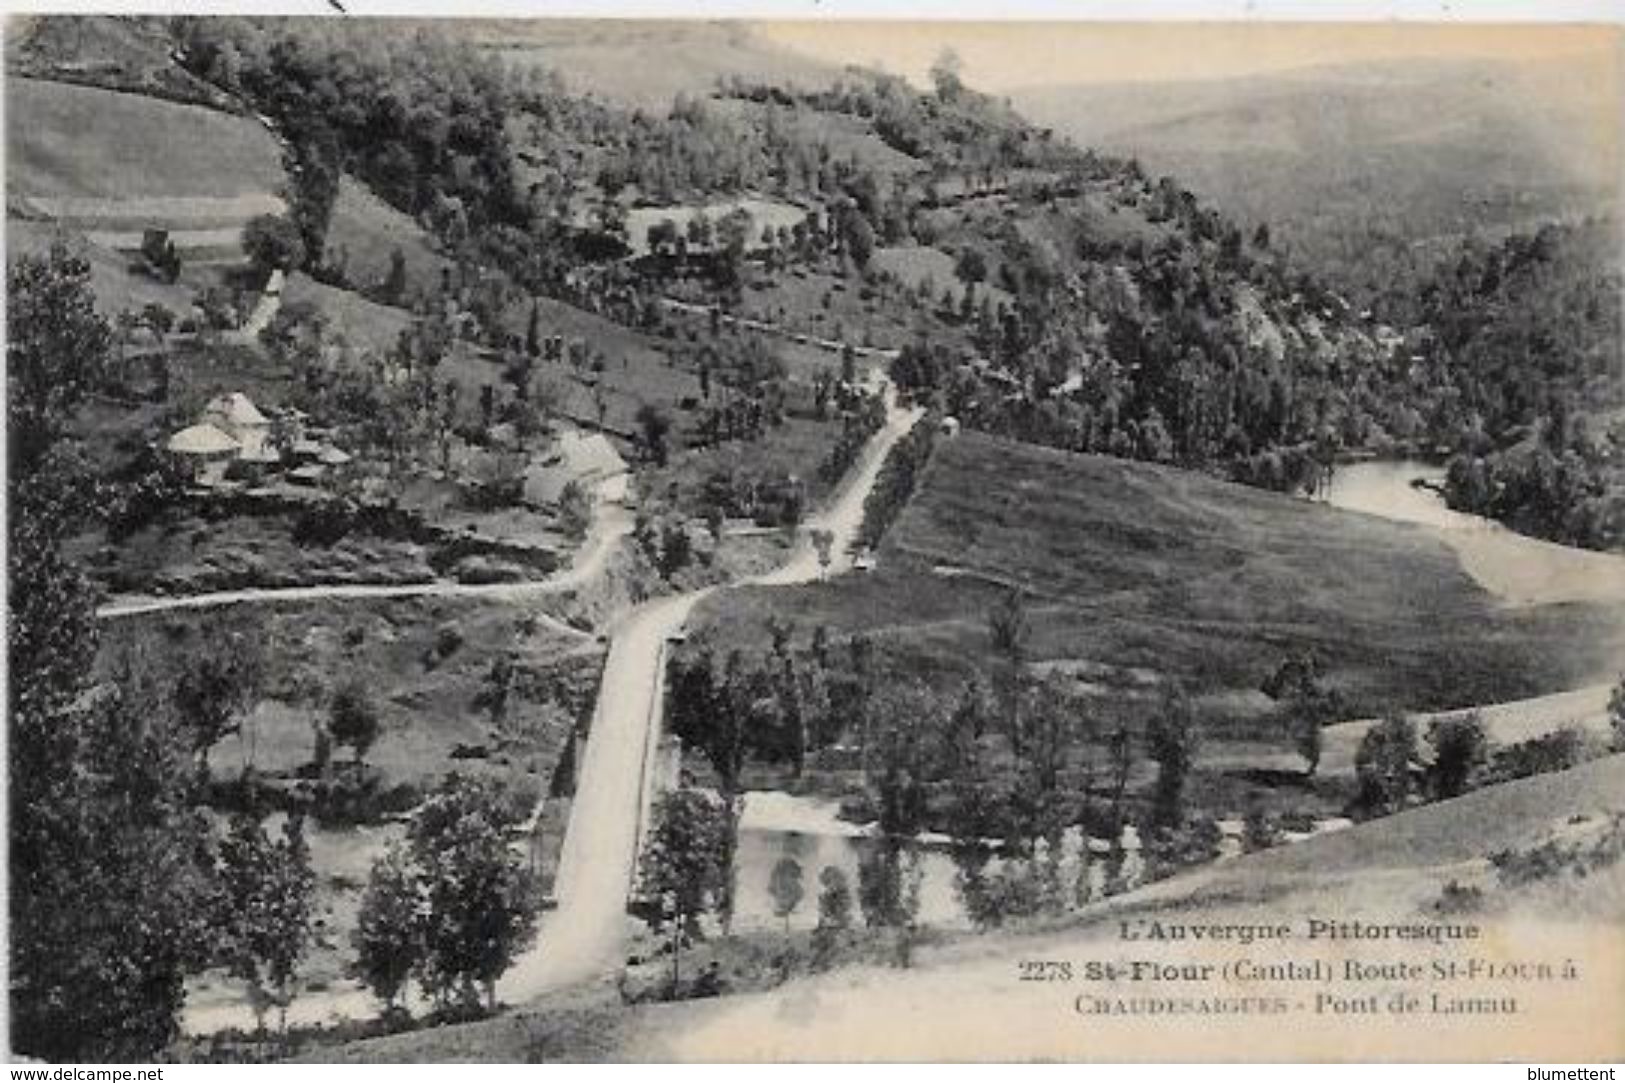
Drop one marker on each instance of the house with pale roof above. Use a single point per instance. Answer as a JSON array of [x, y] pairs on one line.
[[206, 449], [236, 415]]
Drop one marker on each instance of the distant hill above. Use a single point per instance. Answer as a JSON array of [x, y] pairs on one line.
[[644, 63], [1345, 160]]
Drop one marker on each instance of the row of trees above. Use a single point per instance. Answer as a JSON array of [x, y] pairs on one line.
[[686, 874], [1004, 756], [1393, 771]]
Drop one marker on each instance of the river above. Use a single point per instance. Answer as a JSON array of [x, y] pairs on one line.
[[1386, 487], [1517, 569]]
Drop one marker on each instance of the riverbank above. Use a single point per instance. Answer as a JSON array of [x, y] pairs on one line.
[[1519, 570]]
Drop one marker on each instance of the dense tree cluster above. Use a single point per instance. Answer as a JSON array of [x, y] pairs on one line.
[[1527, 340], [452, 906], [419, 118]]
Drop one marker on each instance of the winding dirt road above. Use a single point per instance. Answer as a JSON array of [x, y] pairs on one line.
[[611, 526], [586, 936]]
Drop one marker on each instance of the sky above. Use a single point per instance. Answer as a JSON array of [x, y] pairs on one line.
[[1004, 56]]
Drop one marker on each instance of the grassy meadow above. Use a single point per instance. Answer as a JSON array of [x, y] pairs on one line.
[[89, 143], [1135, 574]]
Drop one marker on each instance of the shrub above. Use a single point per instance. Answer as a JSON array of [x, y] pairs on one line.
[[447, 639], [1259, 832], [353, 719], [1460, 748], [324, 524], [160, 485], [575, 511], [1577, 856], [1556, 751], [1383, 765], [272, 242], [1458, 898]]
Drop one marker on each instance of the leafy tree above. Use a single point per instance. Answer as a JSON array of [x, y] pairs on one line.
[[313, 165], [686, 860], [272, 242], [213, 692], [1120, 750], [889, 876], [388, 937], [834, 899], [56, 351], [733, 234], [971, 269], [1258, 831], [1616, 714], [706, 714], [163, 259], [698, 231], [1010, 632], [353, 719], [1460, 748], [109, 871], [533, 330], [1296, 685], [786, 888], [1383, 765], [834, 911], [1307, 735], [898, 766], [158, 317], [268, 917], [824, 544], [575, 511], [663, 237], [685, 855], [676, 550], [859, 237], [479, 901], [1171, 741], [394, 286], [655, 427], [946, 78]]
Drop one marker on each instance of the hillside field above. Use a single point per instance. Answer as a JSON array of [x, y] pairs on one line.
[[1136, 573], [73, 141], [104, 165], [366, 230]]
